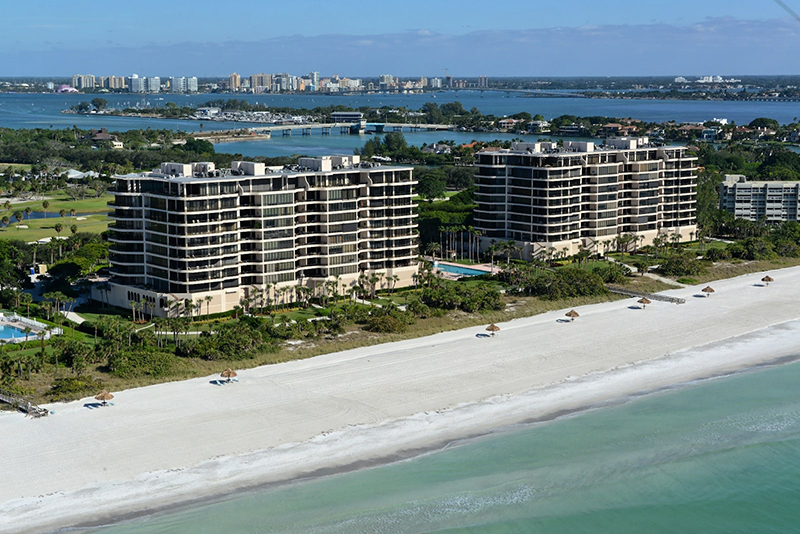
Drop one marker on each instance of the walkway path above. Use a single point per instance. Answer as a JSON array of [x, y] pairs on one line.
[[72, 316], [648, 274]]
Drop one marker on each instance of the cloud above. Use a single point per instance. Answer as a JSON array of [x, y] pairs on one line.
[[717, 45]]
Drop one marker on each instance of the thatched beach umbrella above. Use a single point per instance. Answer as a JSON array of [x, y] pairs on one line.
[[493, 328], [104, 396], [228, 373], [707, 290], [644, 301], [767, 279], [572, 314]]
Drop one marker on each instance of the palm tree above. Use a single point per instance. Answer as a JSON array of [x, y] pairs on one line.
[[45, 205], [28, 212], [72, 212], [27, 332], [59, 227], [188, 308], [492, 250], [511, 248], [63, 213], [5, 220], [18, 215], [432, 248], [133, 305], [26, 298], [208, 299], [73, 229]]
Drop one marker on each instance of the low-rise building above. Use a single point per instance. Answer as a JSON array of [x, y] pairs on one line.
[[773, 202], [347, 116], [191, 231]]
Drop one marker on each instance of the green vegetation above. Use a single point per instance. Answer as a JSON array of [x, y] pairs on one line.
[[47, 151], [123, 348]]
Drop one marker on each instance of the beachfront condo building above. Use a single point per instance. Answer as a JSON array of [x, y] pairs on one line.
[[773, 202], [582, 195], [192, 231]]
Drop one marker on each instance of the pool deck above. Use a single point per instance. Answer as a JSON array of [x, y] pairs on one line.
[[20, 323], [483, 267]]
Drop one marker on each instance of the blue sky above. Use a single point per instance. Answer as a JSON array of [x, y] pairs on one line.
[[413, 37]]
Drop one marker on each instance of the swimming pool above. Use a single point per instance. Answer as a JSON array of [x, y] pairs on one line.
[[458, 269], [11, 332]]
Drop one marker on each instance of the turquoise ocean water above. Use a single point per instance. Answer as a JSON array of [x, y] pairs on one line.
[[720, 455]]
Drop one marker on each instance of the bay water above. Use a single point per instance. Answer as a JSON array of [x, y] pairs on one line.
[[719, 455], [44, 111], [24, 110]]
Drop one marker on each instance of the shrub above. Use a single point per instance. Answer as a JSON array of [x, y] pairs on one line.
[[385, 324], [74, 387], [680, 265], [141, 361], [752, 248], [612, 273], [717, 254], [687, 281], [564, 283], [452, 296]]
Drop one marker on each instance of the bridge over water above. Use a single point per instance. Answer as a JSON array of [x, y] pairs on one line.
[[286, 130]]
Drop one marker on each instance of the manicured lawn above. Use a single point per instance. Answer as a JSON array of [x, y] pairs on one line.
[[694, 247], [586, 266], [62, 202], [16, 166], [41, 228]]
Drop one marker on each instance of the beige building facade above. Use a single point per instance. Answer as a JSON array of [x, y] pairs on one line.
[[582, 195], [220, 236]]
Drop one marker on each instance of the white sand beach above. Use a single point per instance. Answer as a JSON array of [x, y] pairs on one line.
[[175, 442]]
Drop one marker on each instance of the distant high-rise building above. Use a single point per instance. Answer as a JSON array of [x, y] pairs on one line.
[[180, 84], [448, 80], [283, 81], [386, 81], [177, 84], [234, 82], [436, 83], [153, 84], [83, 81], [115, 82], [314, 80], [260, 83], [137, 84], [483, 81]]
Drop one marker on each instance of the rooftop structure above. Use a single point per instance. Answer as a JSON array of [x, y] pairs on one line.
[[544, 195], [772, 202], [192, 231]]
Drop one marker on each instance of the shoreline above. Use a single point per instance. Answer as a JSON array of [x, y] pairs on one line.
[[340, 411], [411, 454]]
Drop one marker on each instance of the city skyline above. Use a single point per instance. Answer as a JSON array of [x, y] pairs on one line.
[[364, 39]]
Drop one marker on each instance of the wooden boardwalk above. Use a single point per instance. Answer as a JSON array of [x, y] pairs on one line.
[[651, 296], [22, 404]]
